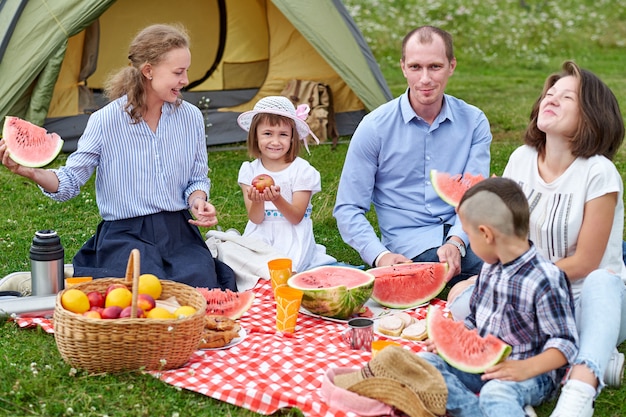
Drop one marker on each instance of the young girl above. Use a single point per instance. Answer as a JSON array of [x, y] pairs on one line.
[[281, 214]]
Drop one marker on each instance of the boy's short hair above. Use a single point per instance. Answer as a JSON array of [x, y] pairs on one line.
[[498, 202]]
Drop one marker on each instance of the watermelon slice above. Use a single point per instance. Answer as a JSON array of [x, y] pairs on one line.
[[408, 285], [30, 145], [226, 302], [452, 187], [462, 348], [333, 291]]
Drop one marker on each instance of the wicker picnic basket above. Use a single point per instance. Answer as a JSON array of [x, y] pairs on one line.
[[99, 345]]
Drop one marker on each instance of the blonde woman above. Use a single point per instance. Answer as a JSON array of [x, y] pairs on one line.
[[148, 147]]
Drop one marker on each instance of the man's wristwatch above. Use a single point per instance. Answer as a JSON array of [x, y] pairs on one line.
[[459, 246]]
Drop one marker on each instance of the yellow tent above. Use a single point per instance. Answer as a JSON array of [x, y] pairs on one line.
[[242, 50]]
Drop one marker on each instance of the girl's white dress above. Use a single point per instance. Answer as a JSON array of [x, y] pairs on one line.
[[295, 241]]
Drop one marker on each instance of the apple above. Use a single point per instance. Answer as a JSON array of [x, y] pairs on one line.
[[261, 182], [145, 302], [125, 313], [112, 287], [111, 312], [96, 299], [92, 314]]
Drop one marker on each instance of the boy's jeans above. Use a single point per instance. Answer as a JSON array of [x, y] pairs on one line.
[[497, 398], [600, 318]]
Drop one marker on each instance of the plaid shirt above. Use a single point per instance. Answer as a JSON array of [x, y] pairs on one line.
[[526, 303]]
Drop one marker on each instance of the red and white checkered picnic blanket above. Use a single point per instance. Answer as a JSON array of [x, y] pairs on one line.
[[44, 323], [269, 370]]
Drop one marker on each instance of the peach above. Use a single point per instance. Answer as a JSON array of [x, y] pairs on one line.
[[127, 310], [92, 314], [112, 312], [145, 302], [98, 309], [112, 287], [96, 299], [262, 181]]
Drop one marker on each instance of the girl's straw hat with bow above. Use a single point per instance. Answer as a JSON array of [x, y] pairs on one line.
[[281, 106]]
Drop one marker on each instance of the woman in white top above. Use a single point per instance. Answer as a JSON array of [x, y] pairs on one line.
[[575, 194]]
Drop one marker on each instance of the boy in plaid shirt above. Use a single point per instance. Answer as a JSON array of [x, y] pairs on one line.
[[519, 297]]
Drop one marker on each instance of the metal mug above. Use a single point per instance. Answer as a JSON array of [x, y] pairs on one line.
[[359, 334]]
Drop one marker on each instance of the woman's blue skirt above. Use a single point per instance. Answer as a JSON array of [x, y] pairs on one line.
[[169, 248]]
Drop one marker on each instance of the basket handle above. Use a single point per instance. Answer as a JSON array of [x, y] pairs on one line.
[[132, 276]]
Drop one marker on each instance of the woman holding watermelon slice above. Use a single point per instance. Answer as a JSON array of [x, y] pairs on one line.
[[577, 219], [149, 149]]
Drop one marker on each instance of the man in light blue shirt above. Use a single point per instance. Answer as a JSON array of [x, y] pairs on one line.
[[392, 153]]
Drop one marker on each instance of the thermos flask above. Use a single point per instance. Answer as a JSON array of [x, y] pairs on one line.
[[46, 263]]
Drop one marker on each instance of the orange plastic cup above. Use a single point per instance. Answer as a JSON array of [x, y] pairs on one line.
[[280, 272], [287, 307], [69, 282], [380, 344]]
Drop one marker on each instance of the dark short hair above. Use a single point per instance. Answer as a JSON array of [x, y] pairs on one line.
[[425, 34], [273, 120], [511, 195], [600, 129]]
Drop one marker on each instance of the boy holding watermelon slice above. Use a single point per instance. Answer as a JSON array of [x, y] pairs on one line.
[[519, 297]]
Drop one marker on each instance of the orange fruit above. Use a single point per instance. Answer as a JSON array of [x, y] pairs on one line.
[[160, 313], [120, 297], [150, 284], [184, 311], [75, 301]]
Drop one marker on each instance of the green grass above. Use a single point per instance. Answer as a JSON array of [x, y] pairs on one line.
[[504, 53]]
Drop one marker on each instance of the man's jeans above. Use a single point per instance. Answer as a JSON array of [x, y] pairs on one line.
[[470, 263]]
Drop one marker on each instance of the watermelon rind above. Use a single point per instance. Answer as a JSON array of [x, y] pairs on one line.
[[462, 348], [408, 285], [450, 188], [30, 145], [333, 291]]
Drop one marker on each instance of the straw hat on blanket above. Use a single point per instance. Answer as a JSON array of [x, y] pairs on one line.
[[400, 378]]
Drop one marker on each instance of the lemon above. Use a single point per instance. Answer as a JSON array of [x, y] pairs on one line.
[[150, 284], [120, 297], [184, 311], [75, 301], [159, 313]]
